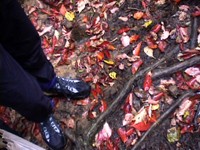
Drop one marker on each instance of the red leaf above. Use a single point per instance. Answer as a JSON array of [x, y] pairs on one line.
[[156, 28], [158, 96], [107, 45], [130, 131], [196, 13], [147, 81], [142, 126], [136, 50], [134, 38], [151, 43], [162, 45], [136, 65], [124, 29], [103, 106], [122, 133]]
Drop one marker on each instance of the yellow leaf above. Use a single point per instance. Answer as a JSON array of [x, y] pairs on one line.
[[155, 107], [109, 62], [147, 23], [70, 16], [113, 75]]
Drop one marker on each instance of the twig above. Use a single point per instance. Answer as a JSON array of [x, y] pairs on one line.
[[123, 94], [163, 117], [176, 67]]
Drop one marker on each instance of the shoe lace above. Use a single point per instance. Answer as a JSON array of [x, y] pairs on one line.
[[70, 85], [54, 126]]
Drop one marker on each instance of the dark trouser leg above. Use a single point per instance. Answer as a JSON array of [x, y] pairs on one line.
[[21, 91], [19, 37]]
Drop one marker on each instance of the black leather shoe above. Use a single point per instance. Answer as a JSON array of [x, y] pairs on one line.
[[52, 134], [71, 88]]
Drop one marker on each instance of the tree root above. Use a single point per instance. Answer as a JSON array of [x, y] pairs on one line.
[[163, 117], [123, 94], [176, 67]]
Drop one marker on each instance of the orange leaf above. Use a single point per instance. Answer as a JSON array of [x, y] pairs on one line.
[[138, 15], [100, 56], [134, 38]]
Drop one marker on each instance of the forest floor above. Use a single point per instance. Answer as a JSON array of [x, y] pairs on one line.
[[142, 59]]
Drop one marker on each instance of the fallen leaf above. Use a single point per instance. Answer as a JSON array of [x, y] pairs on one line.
[[69, 16], [140, 116], [127, 119], [123, 19], [148, 51], [81, 5], [109, 62], [138, 15], [122, 133], [173, 134], [113, 75], [125, 39], [147, 23], [103, 135]]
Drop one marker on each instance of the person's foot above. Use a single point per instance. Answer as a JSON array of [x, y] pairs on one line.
[[52, 133], [71, 88]]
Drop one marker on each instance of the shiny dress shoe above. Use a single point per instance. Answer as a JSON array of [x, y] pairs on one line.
[[71, 88], [52, 134]]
